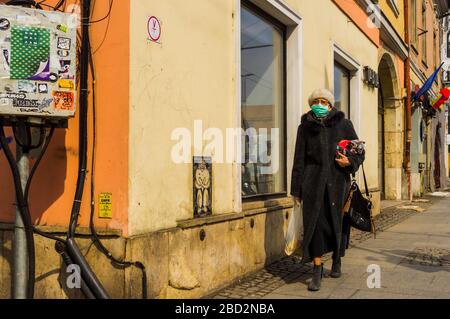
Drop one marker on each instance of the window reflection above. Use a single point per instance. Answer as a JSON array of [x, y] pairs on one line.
[[262, 78], [342, 89]]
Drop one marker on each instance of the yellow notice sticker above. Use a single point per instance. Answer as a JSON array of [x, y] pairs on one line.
[[105, 205], [66, 84]]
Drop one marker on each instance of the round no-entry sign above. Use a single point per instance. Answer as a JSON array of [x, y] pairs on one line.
[[154, 28]]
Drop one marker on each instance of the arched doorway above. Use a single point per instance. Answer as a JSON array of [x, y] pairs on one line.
[[390, 138], [381, 143]]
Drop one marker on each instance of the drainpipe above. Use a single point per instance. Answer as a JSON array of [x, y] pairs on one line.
[[20, 272], [407, 153]]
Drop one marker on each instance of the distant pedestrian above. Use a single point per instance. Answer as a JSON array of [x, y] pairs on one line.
[[321, 180]]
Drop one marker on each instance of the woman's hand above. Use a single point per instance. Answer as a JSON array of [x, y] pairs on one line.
[[297, 201], [343, 160]]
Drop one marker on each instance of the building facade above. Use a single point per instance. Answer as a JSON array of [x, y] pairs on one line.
[[256, 73], [445, 57], [392, 54], [428, 154], [176, 82]]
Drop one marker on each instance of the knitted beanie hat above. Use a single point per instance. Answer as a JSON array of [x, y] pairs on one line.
[[321, 93]]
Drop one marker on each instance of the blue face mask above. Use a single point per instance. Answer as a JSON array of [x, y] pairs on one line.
[[320, 110]]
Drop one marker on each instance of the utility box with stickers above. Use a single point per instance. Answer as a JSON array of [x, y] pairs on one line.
[[37, 63]]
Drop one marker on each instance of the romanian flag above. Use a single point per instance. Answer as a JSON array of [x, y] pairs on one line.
[[441, 98]]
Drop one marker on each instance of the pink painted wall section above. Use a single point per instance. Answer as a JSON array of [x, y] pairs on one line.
[[360, 18], [417, 54], [53, 187], [400, 65]]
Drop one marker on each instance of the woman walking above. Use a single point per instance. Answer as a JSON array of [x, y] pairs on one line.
[[321, 180]]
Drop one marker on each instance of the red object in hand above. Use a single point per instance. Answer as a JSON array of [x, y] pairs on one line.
[[343, 144]]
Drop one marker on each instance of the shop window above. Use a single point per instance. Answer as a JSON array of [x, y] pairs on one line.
[[448, 44], [342, 78], [413, 21], [263, 103], [424, 35], [435, 51]]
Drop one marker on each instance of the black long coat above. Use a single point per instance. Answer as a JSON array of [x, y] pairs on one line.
[[315, 169]]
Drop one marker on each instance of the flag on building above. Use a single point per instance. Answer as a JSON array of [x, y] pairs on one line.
[[441, 98], [428, 84]]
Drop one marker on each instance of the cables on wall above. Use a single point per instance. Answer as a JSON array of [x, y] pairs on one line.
[[26, 3], [72, 248], [67, 248], [96, 240]]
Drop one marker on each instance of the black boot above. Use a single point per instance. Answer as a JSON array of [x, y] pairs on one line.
[[336, 268], [314, 285]]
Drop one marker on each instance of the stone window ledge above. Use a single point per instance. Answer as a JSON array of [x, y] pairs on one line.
[[249, 209], [267, 205]]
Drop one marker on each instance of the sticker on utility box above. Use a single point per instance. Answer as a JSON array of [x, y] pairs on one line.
[[38, 63], [105, 205]]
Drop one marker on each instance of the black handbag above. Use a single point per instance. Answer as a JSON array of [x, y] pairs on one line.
[[358, 207]]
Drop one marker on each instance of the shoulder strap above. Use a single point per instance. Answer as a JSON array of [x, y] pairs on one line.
[[365, 180]]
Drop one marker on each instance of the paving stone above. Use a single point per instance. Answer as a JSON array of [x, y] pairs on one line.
[[342, 293], [373, 294], [287, 278]]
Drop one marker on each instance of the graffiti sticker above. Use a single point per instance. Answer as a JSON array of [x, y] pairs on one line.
[[64, 43], [4, 24], [12, 95], [38, 63], [63, 53], [62, 28], [63, 100], [64, 71], [42, 88], [26, 103], [27, 87], [5, 55]]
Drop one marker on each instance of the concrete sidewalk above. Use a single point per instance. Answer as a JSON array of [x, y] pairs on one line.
[[413, 256]]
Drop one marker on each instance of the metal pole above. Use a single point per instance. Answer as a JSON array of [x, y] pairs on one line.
[[20, 272]]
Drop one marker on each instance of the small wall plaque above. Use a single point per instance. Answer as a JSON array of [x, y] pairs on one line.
[[105, 205], [202, 186]]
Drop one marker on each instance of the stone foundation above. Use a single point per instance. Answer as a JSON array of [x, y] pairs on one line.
[[180, 263]]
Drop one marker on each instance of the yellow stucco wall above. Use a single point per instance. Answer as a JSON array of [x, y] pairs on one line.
[[397, 21], [191, 76]]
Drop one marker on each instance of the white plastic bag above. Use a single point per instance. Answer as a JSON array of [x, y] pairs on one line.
[[294, 231]]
